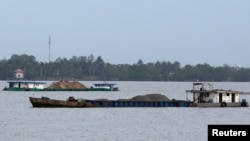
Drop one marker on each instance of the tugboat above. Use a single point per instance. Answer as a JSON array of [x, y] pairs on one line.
[[105, 86], [205, 96]]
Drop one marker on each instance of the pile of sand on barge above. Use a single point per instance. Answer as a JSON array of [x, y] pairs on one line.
[[64, 84], [147, 97], [150, 97]]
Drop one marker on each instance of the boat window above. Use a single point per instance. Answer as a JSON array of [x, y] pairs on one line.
[[205, 94], [227, 94]]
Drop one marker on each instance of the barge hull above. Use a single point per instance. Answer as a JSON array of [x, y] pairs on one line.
[[85, 103], [97, 103], [235, 104], [57, 89], [50, 103]]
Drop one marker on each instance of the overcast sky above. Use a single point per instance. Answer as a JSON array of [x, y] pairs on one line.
[[193, 32]]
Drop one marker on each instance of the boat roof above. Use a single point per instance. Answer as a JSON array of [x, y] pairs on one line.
[[205, 87], [213, 91], [104, 84], [25, 81]]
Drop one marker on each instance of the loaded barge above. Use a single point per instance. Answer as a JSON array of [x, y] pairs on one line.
[[28, 85], [202, 97], [71, 102], [18, 83]]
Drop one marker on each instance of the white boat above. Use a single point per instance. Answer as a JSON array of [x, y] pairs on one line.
[[24, 85], [204, 95], [105, 86]]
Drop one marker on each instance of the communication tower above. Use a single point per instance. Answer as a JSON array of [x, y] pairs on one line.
[[49, 48]]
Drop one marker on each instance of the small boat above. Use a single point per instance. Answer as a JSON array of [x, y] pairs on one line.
[[204, 95], [104, 87], [69, 103]]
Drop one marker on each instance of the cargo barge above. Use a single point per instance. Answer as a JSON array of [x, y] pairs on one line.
[[18, 83], [202, 97], [71, 102], [28, 85]]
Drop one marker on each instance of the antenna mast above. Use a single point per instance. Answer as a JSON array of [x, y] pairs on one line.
[[49, 48]]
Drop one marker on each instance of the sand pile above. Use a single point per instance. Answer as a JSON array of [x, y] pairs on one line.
[[147, 97], [150, 97], [67, 85]]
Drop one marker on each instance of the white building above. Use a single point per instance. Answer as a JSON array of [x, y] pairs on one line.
[[18, 74]]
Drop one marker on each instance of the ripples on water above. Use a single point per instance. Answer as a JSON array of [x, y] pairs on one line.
[[19, 121]]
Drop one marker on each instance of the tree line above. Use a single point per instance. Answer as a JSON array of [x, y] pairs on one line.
[[91, 68]]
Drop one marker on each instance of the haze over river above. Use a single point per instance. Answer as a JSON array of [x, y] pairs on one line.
[[19, 121]]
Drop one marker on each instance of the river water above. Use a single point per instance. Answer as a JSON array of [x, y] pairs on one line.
[[19, 121]]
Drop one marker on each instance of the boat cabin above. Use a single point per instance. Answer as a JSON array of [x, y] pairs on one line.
[[204, 93], [105, 86], [25, 84]]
